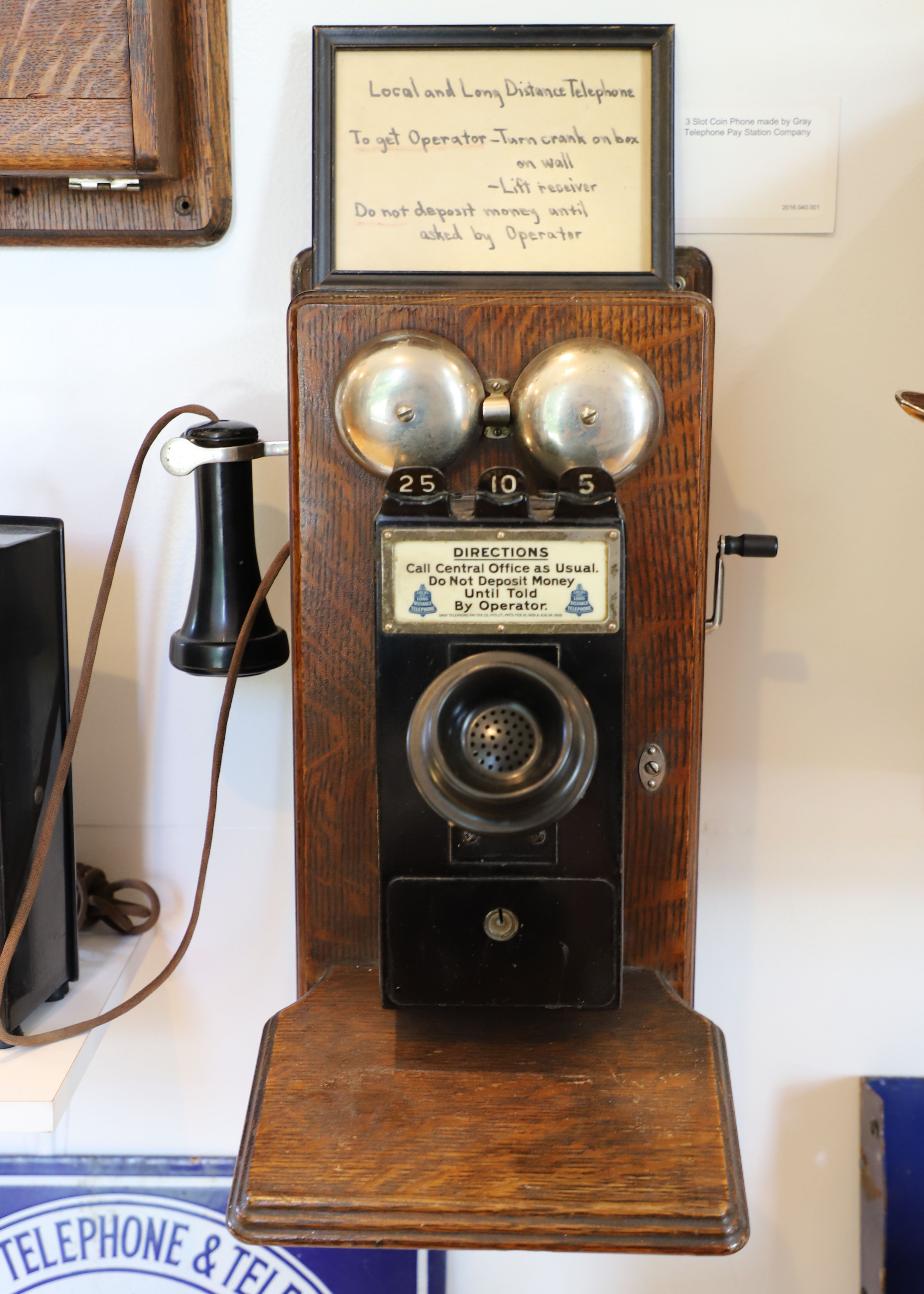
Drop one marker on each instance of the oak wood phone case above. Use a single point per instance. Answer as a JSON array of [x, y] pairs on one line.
[[606, 1129]]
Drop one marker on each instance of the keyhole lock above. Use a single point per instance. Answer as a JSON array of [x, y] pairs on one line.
[[652, 766], [500, 924]]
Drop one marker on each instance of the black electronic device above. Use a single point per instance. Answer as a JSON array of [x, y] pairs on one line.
[[500, 667], [33, 717]]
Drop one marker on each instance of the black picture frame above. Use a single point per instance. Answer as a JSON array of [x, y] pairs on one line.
[[656, 38]]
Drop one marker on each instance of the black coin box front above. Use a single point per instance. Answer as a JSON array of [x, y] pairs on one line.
[[557, 885]]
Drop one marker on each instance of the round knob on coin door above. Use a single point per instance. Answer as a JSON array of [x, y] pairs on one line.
[[587, 403], [502, 741], [408, 398]]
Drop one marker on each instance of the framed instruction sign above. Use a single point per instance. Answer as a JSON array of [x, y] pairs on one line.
[[467, 155]]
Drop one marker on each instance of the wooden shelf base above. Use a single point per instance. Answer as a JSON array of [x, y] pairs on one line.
[[603, 1130]]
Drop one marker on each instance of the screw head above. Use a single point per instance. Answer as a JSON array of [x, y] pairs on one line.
[[652, 767], [404, 412], [588, 415], [538, 838]]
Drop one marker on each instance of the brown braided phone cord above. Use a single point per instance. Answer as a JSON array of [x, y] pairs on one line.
[[98, 899], [54, 799]]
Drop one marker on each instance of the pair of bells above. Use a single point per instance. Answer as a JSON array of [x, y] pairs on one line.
[[414, 399]]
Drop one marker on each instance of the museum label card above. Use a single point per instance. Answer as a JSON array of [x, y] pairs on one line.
[[764, 170]]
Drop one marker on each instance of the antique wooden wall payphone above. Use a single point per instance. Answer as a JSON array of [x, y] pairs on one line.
[[458, 1125], [499, 507]]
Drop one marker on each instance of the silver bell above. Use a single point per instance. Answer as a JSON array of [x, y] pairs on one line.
[[587, 403], [408, 399]]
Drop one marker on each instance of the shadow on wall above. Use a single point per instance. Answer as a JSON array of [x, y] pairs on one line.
[[817, 1183], [810, 416], [131, 724], [257, 765], [806, 425], [112, 756], [736, 670], [272, 531], [286, 224]]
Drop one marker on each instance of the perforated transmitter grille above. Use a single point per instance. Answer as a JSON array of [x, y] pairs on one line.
[[502, 739]]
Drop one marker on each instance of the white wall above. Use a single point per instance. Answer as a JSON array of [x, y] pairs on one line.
[[809, 949]]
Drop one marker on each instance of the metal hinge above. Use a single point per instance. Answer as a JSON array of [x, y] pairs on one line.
[[103, 184]]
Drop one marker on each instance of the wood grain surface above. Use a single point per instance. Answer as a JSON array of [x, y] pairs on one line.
[[64, 49], [605, 1130], [87, 87], [334, 502], [693, 270], [154, 95], [180, 57], [65, 86], [57, 137]]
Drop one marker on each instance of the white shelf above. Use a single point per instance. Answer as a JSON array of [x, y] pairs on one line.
[[36, 1083]]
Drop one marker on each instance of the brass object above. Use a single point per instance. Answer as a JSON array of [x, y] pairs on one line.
[[912, 402]]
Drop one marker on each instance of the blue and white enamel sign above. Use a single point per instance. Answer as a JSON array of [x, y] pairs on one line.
[[115, 1225]]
